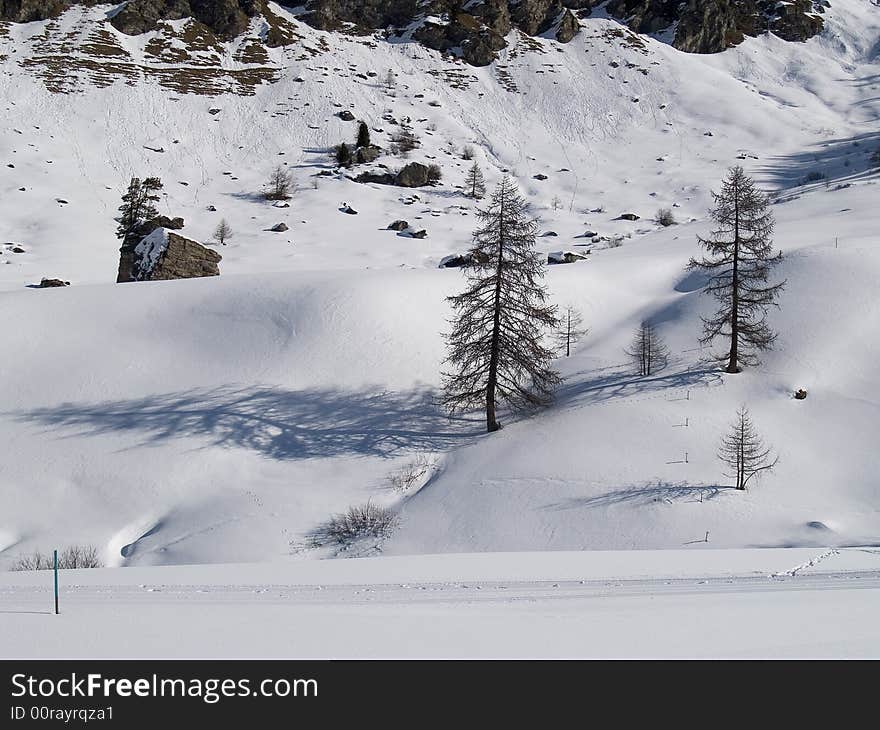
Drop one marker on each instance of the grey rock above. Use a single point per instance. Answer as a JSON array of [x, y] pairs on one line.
[[413, 175], [364, 155], [181, 258]]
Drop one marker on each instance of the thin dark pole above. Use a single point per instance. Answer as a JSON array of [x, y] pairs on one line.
[[56, 581]]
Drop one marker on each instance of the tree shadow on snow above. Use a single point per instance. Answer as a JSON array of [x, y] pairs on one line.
[[616, 382], [278, 423], [831, 162], [658, 491]]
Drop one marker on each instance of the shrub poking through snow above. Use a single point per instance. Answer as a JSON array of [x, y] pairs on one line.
[[361, 521], [665, 217], [73, 556], [435, 174], [405, 141], [411, 474], [342, 154]]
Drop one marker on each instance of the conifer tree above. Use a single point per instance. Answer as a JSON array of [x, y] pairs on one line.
[[475, 185], [571, 329], [363, 136], [343, 155], [739, 263], [496, 350], [648, 351], [223, 232], [138, 204]]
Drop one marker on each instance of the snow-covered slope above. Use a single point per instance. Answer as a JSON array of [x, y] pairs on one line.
[[223, 419]]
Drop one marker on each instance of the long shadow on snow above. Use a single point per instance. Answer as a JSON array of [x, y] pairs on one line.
[[624, 384], [281, 424], [832, 161], [644, 494]]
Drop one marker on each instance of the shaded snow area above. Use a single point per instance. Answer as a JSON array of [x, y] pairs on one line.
[[226, 420]]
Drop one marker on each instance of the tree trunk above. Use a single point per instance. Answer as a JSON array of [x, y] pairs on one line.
[[733, 366], [491, 422], [568, 337]]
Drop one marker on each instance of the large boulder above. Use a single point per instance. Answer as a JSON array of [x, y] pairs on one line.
[[364, 155], [565, 257], [413, 175], [52, 283], [164, 255], [381, 178]]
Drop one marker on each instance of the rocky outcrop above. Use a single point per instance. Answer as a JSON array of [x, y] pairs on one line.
[[226, 18], [162, 254], [710, 26], [798, 20], [412, 175], [364, 155], [568, 28], [25, 11], [477, 28]]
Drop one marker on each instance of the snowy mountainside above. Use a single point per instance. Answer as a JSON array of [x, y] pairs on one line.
[[224, 419]]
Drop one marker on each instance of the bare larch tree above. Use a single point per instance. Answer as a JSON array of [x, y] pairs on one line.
[[743, 451], [223, 232], [648, 351], [571, 329], [496, 350], [739, 262], [475, 185], [280, 183]]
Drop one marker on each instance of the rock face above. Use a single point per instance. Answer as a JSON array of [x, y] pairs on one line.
[[25, 11], [163, 254], [710, 26], [477, 27], [226, 18], [568, 27]]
